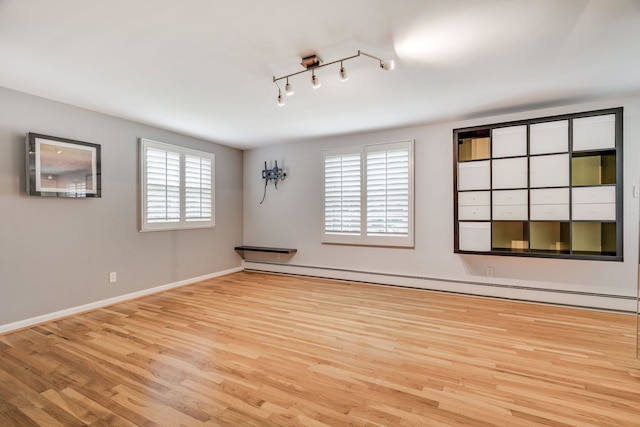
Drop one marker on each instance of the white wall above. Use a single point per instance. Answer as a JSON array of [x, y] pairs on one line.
[[56, 253], [291, 217]]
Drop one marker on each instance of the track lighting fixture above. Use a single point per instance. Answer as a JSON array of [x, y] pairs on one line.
[[313, 62]]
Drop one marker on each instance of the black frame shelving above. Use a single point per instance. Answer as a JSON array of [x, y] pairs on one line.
[[609, 158]]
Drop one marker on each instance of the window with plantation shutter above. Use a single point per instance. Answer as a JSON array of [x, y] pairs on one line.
[[368, 195], [177, 187]]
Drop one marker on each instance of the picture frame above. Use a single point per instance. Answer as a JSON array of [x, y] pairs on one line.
[[61, 167]]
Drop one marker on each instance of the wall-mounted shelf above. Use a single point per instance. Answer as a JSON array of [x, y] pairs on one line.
[[243, 251], [548, 187]]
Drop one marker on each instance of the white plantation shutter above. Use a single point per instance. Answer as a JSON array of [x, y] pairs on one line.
[[177, 187], [342, 194], [197, 186], [368, 195], [388, 192], [162, 185]]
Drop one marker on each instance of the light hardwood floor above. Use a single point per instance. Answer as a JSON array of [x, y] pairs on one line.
[[252, 349]]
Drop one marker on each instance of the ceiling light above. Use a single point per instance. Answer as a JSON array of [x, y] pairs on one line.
[[314, 81], [313, 62], [343, 73], [288, 89]]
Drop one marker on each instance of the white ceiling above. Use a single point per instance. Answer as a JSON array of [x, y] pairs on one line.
[[205, 68]]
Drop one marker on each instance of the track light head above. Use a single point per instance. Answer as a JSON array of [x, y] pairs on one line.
[[288, 89], [388, 64], [280, 99], [343, 74], [314, 81]]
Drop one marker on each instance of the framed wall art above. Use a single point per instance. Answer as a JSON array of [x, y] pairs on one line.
[[60, 167]]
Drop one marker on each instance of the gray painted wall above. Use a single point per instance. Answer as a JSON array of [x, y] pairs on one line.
[[57, 253]]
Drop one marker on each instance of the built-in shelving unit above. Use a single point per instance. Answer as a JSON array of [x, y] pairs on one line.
[[548, 187]]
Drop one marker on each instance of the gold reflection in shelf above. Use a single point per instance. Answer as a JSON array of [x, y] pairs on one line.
[[474, 149], [510, 235], [550, 236], [593, 237], [594, 169]]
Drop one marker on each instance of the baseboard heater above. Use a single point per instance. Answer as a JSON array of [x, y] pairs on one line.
[[373, 275]]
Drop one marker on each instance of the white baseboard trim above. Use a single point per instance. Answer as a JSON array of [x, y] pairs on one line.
[[26, 323], [617, 303]]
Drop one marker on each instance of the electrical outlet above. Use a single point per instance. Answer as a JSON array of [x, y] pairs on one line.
[[113, 278], [488, 271]]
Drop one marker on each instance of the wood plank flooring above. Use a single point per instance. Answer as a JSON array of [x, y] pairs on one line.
[[253, 349]]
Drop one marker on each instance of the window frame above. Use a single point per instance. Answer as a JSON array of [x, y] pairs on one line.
[[364, 238], [183, 222]]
